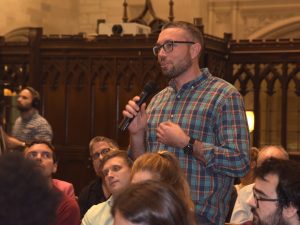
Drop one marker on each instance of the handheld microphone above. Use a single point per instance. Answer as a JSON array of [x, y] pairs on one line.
[[149, 89]]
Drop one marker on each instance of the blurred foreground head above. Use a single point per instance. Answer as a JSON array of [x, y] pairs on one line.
[[151, 203], [26, 196]]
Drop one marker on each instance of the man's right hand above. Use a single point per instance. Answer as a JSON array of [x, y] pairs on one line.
[[131, 110]]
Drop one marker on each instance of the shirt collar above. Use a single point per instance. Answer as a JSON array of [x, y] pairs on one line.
[[202, 77]]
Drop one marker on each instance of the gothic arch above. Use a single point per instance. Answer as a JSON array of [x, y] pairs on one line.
[[286, 28]]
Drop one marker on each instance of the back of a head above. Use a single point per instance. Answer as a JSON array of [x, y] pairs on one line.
[[288, 188], [165, 168], [152, 203], [271, 151], [26, 196]]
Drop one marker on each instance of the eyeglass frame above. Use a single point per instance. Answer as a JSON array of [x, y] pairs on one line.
[[104, 151], [257, 199], [156, 49]]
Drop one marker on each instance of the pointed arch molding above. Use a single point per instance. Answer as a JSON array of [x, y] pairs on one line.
[[279, 29]]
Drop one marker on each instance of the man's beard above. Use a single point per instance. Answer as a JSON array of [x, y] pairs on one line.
[[22, 108], [273, 219], [177, 70]]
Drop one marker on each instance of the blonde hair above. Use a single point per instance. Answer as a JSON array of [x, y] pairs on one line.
[[164, 166]]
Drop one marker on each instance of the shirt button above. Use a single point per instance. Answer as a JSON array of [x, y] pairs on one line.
[[171, 115], [178, 96]]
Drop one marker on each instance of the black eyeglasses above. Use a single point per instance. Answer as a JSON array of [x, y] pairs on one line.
[[257, 199], [104, 151], [168, 46]]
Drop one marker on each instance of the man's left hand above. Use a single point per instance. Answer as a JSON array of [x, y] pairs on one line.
[[171, 134]]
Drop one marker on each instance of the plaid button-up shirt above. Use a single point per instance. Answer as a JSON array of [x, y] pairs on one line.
[[34, 128], [211, 111]]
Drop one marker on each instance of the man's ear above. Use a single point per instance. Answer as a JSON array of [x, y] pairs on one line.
[[54, 169], [289, 212], [195, 50]]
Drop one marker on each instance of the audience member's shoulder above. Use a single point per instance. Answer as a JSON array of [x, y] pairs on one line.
[[64, 186], [246, 189], [68, 202]]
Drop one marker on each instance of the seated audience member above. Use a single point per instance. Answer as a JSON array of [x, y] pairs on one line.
[[276, 193], [244, 181], [116, 168], [65, 187], [96, 192], [164, 167], [44, 154], [150, 203], [242, 211], [249, 177], [26, 197]]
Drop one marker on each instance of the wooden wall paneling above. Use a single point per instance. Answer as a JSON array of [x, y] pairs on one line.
[[103, 97], [78, 101], [54, 98]]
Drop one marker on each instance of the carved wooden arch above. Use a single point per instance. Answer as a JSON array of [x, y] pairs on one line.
[[243, 80], [102, 70], [77, 72], [52, 73], [295, 76], [270, 82]]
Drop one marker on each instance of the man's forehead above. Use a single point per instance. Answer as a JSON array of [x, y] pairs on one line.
[[40, 147], [100, 145], [267, 185], [25, 92], [173, 33], [114, 161]]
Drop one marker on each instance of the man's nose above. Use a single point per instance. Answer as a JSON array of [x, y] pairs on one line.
[[251, 201]]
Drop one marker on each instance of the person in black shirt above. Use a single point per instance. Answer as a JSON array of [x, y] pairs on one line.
[[96, 192]]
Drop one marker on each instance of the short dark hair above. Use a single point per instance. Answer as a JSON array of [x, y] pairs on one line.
[[152, 203], [26, 196], [117, 153], [288, 188], [194, 32], [35, 96], [35, 142]]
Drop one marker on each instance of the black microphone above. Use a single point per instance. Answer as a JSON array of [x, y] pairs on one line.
[[149, 89]]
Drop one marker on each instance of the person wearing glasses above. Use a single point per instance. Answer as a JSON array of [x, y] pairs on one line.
[[276, 193], [198, 117], [43, 153], [242, 211], [96, 192], [116, 168]]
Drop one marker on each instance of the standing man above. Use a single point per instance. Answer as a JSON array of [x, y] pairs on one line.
[[198, 117], [30, 125], [116, 169], [97, 191], [276, 193]]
